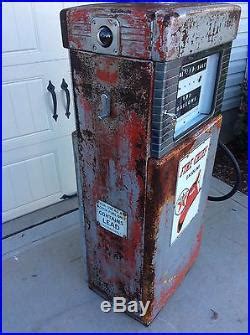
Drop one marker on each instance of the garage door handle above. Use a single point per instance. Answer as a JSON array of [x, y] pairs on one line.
[[51, 89], [64, 86]]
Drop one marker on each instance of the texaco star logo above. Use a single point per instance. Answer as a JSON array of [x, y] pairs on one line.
[[181, 201]]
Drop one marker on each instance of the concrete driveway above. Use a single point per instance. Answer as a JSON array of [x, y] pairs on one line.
[[45, 288]]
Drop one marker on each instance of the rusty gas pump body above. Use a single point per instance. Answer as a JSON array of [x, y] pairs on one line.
[[147, 107]]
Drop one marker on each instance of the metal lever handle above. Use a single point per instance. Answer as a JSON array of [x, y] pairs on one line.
[[51, 89], [64, 86]]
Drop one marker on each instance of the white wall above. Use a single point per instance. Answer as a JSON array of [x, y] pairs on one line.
[[238, 62], [236, 74]]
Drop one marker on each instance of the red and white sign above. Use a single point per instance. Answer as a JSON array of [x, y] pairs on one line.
[[188, 189]]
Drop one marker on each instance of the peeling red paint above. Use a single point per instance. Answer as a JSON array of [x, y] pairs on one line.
[[164, 31], [106, 71], [161, 188], [77, 16], [106, 76], [178, 278], [114, 152]]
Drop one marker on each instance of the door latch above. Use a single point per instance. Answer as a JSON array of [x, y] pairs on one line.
[[105, 106]]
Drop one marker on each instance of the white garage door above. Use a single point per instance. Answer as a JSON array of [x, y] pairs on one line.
[[38, 165]]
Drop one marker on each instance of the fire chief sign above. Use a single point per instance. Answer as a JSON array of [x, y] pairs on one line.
[[188, 189]]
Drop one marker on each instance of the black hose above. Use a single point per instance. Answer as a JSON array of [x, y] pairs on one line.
[[237, 171]]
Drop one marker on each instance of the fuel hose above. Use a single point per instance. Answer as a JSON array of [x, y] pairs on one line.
[[235, 164]]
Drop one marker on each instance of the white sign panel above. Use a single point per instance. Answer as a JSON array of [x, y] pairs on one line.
[[195, 92], [188, 189], [112, 219]]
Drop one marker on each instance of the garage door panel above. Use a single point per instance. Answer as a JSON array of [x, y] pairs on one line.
[[38, 164], [27, 107], [37, 175], [23, 36], [32, 179], [8, 199], [26, 85], [9, 126], [20, 187], [31, 32]]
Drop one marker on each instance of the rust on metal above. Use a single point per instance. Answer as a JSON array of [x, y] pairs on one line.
[[155, 31], [115, 164], [177, 279], [161, 188]]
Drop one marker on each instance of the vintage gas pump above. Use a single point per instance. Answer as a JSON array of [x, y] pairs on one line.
[[148, 85]]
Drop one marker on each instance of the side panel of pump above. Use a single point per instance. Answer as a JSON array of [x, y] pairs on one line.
[[174, 209], [113, 99]]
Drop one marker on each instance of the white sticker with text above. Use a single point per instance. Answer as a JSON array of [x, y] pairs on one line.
[[112, 219]]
